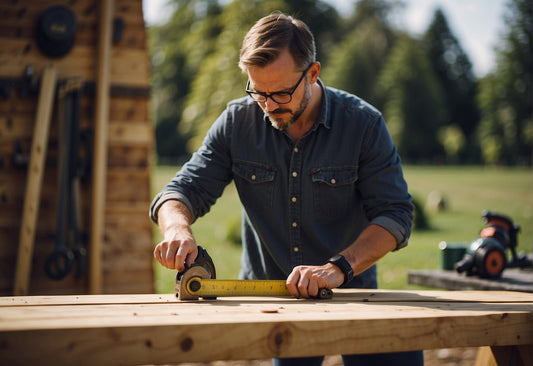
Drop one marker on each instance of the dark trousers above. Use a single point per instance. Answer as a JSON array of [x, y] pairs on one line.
[[415, 358]]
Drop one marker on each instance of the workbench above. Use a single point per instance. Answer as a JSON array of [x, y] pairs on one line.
[[159, 329], [510, 280]]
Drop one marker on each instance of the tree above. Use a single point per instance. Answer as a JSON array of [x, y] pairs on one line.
[[454, 71], [194, 62], [414, 102], [357, 60], [177, 50], [506, 95], [219, 79]]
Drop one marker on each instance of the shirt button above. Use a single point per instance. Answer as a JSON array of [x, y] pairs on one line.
[[333, 181], [295, 249], [294, 174], [253, 177], [294, 224], [295, 149], [293, 199]]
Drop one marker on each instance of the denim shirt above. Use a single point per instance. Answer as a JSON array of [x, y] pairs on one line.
[[302, 202]]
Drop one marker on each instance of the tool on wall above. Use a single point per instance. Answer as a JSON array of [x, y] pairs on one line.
[[32, 197], [199, 280], [55, 32], [69, 248], [100, 146]]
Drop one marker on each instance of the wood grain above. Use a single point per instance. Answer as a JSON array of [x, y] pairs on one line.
[[32, 197], [158, 329]]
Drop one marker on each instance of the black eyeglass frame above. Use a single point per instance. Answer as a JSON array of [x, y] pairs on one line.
[[255, 94]]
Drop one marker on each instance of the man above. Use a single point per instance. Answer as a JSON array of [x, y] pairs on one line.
[[318, 176]]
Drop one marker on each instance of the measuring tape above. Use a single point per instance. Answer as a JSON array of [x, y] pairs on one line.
[[211, 288], [199, 281]]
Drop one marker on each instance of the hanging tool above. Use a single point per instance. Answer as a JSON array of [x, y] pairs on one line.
[[199, 280], [76, 172], [68, 248], [100, 145], [32, 197]]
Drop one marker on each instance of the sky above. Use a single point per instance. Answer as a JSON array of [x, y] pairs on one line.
[[477, 24]]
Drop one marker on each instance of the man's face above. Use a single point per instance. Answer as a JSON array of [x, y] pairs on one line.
[[280, 77]]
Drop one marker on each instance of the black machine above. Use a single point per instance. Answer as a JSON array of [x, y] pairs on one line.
[[486, 256]]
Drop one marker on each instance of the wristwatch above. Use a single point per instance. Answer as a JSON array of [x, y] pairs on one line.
[[344, 266]]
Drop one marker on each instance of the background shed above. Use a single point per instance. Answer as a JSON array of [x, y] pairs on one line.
[[125, 243]]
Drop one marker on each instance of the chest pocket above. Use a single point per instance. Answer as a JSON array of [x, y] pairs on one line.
[[255, 184], [334, 191]]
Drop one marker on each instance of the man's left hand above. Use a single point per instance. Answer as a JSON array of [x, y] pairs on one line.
[[305, 281]]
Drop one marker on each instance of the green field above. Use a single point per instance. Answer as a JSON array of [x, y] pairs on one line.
[[468, 191]]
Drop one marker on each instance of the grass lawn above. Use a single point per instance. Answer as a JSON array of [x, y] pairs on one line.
[[468, 191]]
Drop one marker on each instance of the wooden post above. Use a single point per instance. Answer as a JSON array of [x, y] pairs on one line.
[[34, 180], [100, 147]]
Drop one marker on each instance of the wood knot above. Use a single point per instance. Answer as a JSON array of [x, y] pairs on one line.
[[279, 339], [186, 344]]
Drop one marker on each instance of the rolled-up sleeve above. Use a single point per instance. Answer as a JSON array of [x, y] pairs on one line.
[[201, 181], [164, 196], [387, 201]]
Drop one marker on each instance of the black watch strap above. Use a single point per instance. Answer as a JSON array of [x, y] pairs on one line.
[[344, 266]]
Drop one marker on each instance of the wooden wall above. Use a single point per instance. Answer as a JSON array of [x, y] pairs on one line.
[[127, 246]]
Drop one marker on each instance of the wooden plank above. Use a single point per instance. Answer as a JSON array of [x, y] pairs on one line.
[[340, 295], [130, 133], [125, 185], [100, 147], [86, 299], [85, 10], [121, 156], [32, 318], [32, 198], [130, 66], [156, 329], [511, 280], [129, 109], [484, 357]]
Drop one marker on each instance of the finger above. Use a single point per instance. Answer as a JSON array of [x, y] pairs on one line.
[[168, 255], [179, 258], [292, 283], [158, 255], [303, 284], [191, 256], [185, 255], [312, 288]]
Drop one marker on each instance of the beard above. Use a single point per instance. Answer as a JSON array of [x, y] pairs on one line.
[[283, 122]]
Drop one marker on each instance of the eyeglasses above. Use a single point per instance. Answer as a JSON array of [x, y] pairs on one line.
[[278, 97]]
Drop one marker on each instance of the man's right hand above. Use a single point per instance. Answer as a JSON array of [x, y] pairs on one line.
[[178, 249], [176, 253]]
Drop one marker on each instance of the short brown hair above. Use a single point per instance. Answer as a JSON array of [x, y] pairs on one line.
[[273, 33]]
